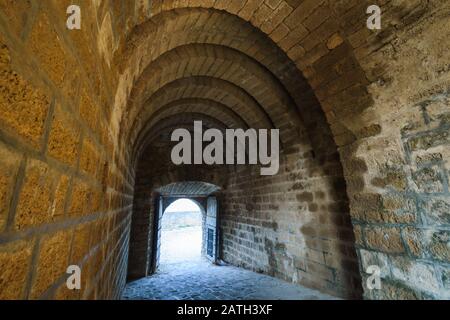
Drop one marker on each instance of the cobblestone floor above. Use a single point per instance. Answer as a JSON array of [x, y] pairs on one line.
[[199, 280], [184, 275]]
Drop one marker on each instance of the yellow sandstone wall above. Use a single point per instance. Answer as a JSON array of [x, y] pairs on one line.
[[65, 194]]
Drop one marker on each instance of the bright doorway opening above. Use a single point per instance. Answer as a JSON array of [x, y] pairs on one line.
[[181, 233]]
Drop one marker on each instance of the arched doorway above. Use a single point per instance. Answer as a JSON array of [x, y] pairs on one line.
[[181, 233], [207, 236], [295, 226]]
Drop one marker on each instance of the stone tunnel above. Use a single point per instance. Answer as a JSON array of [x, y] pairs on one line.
[[363, 117]]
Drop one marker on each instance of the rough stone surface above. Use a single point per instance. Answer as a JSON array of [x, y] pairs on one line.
[[23, 108], [203, 281], [52, 262], [9, 165], [15, 261], [64, 139]]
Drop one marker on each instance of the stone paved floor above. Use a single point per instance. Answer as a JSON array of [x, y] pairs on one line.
[[199, 280], [184, 275]]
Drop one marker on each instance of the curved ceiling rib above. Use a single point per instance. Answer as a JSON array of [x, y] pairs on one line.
[[194, 105], [214, 89], [220, 63], [199, 106], [185, 121], [167, 124], [225, 47], [188, 188]]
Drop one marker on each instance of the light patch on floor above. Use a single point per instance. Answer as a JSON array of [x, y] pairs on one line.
[[181, 245]]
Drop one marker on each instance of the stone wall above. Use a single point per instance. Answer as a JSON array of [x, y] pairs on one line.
[[65, 195], [398, 210], [295, 225]]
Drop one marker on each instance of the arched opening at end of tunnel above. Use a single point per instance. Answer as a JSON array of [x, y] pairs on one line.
[[181, 233], [189, 241], [184, 231]]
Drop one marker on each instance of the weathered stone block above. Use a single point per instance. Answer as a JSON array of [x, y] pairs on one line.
[[35, 196], [372, 258], [429, 180], [436, 210], [415, 240], [385, 239], [395, 178], [445, 276], [366, 207], [60, 196], [427, 141], [49, 52], [64, 138], [15, 260], [359, 240], [305, 197], [302, 12], [80, 199], [106, 42], [334, 41], [392, 290], [80, 245], [42, 197], [89, 159], [428, 243], [16, 12], [23, 108], [9, 167], [89, 111], [424, 159], [440, 245], [52, 261], [63, 293], [415, 274]]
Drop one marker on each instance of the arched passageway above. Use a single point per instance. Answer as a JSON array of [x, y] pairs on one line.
[[181, 233], [86, 118], [184, 267]]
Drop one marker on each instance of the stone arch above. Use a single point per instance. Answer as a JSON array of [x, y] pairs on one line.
[[341, 135], [145, 31], [200, 204], [283, 77], [213, 89], [149, 186], [243, 72]]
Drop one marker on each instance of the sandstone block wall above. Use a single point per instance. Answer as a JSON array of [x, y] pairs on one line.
[[65, 195], [295, 225]]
